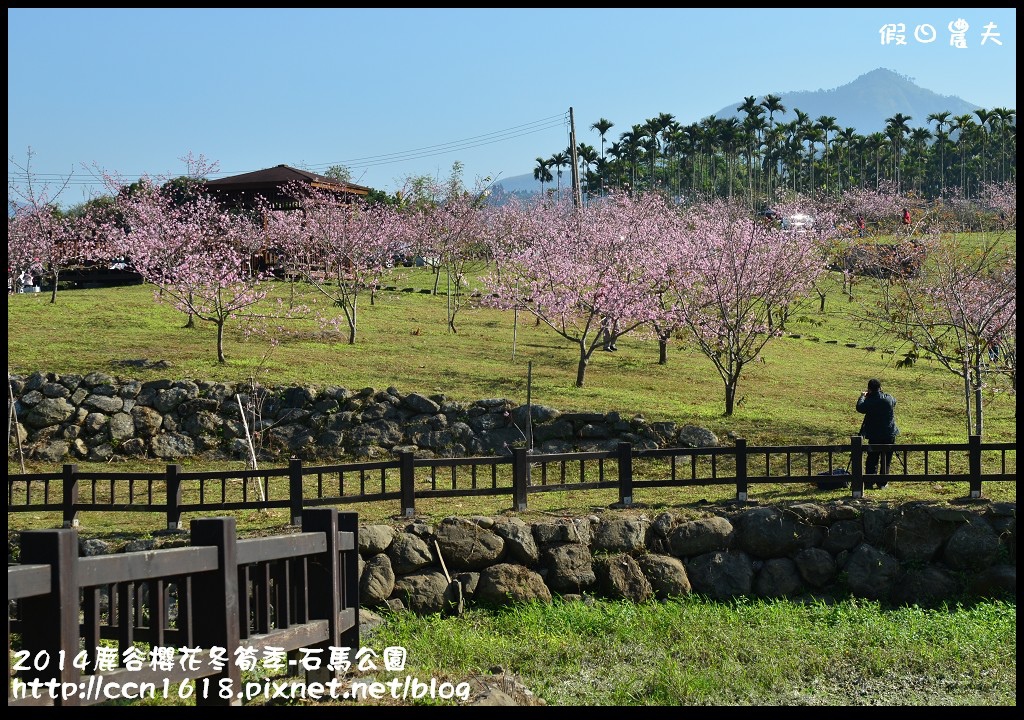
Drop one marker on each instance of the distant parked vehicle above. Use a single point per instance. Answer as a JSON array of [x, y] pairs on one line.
[[798, 221]]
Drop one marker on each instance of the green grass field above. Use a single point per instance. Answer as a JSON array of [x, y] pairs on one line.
[[802, 391], [688, 653]]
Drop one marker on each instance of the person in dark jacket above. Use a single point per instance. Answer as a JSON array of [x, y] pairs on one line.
[[879, 427]]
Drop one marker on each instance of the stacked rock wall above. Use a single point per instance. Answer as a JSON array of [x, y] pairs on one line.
[[97, 417], [917, 552], [914, 553]]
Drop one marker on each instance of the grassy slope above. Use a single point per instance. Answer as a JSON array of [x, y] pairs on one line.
[[803, 392]]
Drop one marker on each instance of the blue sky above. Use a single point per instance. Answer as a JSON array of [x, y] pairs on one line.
[[400, 92]]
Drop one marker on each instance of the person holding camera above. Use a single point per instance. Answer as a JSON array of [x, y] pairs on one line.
[[879, 427]]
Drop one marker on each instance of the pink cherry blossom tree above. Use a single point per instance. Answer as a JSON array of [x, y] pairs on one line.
[[1002, 199], [962, 311], [340, 247], [733, 276], [580, 273], [445, 222], [41, 240], [197, 254], [993, 207], [880, 207], [901, 250], [35, 239]]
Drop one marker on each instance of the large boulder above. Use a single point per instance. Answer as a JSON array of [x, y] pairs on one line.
[[721, 575], [620, 577], [569, 567], [506, 584], [467, 546]]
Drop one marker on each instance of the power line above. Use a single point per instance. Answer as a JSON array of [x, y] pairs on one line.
[[359, 163], [477, 141]]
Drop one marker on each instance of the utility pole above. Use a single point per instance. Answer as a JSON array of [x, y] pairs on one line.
[[577, 196]]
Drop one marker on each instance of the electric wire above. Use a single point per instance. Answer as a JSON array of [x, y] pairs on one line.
[[20, 176]]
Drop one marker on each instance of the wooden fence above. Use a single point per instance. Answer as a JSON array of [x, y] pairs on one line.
[[276, 594], [406, 479]]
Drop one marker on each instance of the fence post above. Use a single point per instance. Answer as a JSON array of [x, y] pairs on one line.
[[323, 583], [741, 469], [626, 473], [70, 473], [974, 464], [407, 480], [857, 466], [173, 497], [348, 522], [295, 490], [50, 622], [520, 478], [215, 598]]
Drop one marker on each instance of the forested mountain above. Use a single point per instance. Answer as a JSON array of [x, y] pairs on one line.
[[853, 120], [865, 103]]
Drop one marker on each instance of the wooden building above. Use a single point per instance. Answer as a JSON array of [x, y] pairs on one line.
[[239, 191]]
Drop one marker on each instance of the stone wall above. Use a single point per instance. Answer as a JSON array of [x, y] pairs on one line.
[[919, 553], [914, 553], [98, 417]]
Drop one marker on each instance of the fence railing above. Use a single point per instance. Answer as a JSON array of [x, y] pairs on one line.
[[283, 593], [406, 478]]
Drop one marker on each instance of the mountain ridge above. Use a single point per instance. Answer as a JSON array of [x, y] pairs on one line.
[[866, 102], [863, 104]]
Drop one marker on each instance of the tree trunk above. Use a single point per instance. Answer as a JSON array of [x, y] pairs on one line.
[[581, 370], [448, 305], [662, 351], [352, 324], [967, 399], [730, 397], [53, 292], [977, 395], [220, 341]]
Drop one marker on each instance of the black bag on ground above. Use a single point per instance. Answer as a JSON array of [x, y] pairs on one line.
[[836, 480]]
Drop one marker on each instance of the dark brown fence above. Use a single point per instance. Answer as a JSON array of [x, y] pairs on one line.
[[406, 479], [78, 622]]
